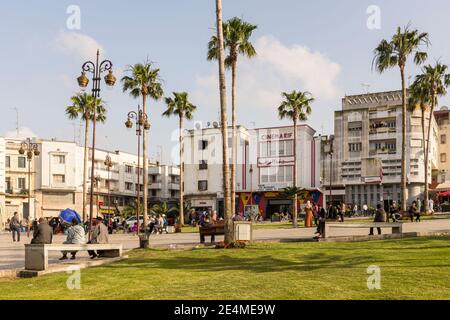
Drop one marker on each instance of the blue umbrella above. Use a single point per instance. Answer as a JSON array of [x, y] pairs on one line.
[[68, 215]]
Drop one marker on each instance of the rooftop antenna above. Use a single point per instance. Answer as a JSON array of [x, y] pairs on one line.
[[366, 86], [17, 120]]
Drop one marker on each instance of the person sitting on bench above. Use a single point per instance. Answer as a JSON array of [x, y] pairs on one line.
[[380, 216], [75, 235], [99, 235], [42, 233]]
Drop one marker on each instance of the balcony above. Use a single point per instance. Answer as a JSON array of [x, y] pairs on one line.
[[381, 152], [382, 114], [155, 186], [174, 186]]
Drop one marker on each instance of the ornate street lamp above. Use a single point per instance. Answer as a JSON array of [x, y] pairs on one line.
[[142, 123], [328, 149], [30, 149], [108, 163], [96, 69]]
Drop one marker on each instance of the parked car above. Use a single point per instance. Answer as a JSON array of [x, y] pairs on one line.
[[132, 220]]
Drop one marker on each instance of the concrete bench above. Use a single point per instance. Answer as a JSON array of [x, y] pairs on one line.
[[36, 255], [396, 227]]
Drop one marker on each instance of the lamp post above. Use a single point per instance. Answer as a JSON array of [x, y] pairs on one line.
[[142, 124], [328, 149], [108, 163], [96, 69], [251, 184], [97, 180], [31, 149]]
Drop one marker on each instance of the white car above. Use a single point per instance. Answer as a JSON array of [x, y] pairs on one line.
[[132, 220]]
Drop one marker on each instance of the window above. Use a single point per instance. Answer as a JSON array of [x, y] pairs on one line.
[[276, 174], [59, 178], [21, 183], [354, 147], [153, 193], [203, 144], [203, 165], [443, 157], [128, 169], [21, 162], [128, 186], [391, 146], [443, 138], [141, 171], [8, 184], [202, 185], [8, 161], [59, 159], [173, 193]]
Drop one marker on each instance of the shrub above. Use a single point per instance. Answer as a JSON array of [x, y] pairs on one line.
[[231, 245]]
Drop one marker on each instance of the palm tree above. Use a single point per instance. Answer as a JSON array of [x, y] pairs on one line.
[[295, 106], [83, 107], [396, 52], [181, 107], [162, 209], [236, 33], [228, 237], [431, 84], [144, 82]]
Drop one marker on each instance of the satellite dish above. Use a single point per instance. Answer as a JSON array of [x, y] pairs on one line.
[[198, 126], [208, 124], [215, 124]]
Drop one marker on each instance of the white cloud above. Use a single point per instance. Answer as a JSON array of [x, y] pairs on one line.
[[24, 133], [78, 45], [275, 69]]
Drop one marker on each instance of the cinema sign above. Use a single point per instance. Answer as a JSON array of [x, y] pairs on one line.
[[276, 136]]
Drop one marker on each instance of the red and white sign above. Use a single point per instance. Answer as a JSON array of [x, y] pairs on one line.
[[276, 161]]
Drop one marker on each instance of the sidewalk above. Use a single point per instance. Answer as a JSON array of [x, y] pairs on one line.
[[12, 254]]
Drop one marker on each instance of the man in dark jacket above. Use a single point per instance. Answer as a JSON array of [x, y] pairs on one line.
[[43, 233], [380, 216]]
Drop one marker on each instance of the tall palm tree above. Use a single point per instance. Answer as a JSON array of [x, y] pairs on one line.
[[144, 82], [228, 237], [181, 107], [396, 52], [83, 107], [295, 106], [236, 33], [433, 82]]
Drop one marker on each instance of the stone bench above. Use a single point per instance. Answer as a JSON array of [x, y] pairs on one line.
[[36, 255], [396, 227]]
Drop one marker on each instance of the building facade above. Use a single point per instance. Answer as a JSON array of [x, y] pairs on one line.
[[367, 150], [265, 166]]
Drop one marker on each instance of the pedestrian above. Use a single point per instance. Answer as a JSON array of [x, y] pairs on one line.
[[419, 204], [316, 214], [321, 226], [355, 210], [214, 216], [365, 208], [237, 217], [417, 215], [341, 211], [431, 205], [42, 233], [412, 210], [14, 226], [380, 216], [75, 235], [99, 235], [308, 214]]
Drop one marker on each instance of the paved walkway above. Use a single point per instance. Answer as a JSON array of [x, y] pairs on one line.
[[12, 254]]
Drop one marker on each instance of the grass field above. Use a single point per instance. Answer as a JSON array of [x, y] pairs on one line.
[[415, 268]]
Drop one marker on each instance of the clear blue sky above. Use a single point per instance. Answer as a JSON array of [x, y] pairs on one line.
[[323, 45]]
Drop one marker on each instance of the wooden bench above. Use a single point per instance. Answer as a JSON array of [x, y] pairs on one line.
[[211, 230], [36, 255], [395, 226]]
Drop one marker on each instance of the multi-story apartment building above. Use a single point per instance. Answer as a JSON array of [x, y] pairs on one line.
[[57, 180], [367, 150], [442, 175], [265, 162]]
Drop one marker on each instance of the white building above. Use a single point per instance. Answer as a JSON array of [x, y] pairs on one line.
[[367, 150], [265, 160], [3, 216]]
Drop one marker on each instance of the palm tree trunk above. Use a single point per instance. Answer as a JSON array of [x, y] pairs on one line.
[[181, 171], [295, 174], [228, 237], [430, 121], [85, 166], [404, 192], [234, 141], [144, 164]]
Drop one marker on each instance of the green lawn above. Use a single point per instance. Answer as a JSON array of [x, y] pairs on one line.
[[415, 268]]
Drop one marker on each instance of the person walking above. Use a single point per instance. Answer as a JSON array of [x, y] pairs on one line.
[[42, 233], [380, 216], [321, 226], [14, 226], [417, 214], [316, 214], [341, 211], [75, 235], [99, 235]]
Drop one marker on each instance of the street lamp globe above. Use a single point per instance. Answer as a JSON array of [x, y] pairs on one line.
[[147, 125], [129, 124], [110, 79], [83, 80], [21, 151], [36, 153]]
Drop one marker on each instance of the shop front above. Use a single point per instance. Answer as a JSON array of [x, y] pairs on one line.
[[269, 203]]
